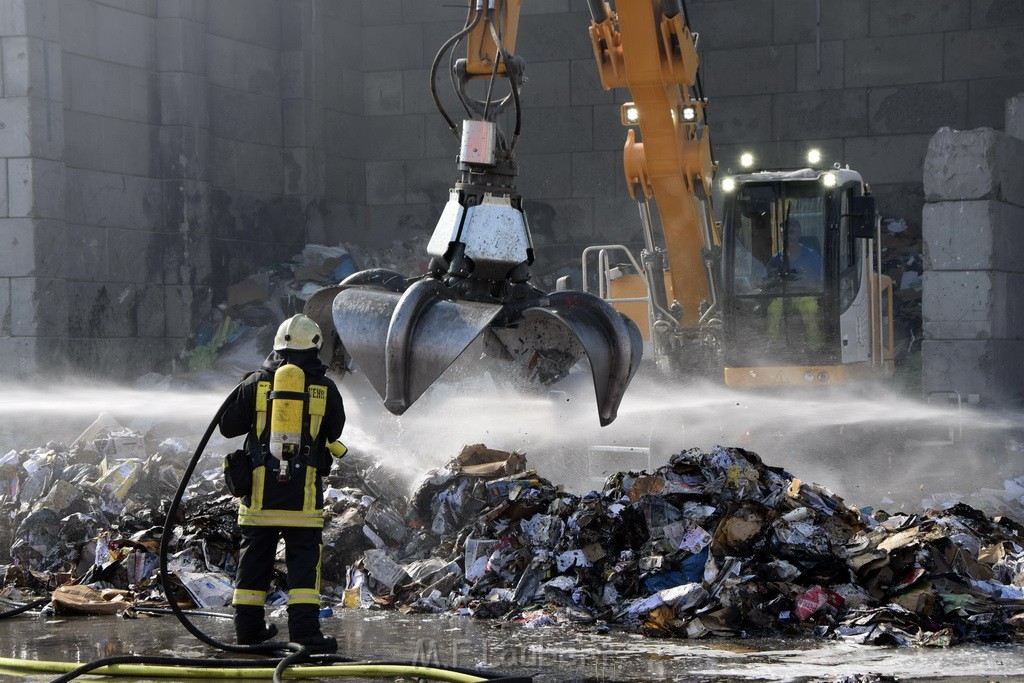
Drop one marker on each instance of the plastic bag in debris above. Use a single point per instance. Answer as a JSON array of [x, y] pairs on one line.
[[383, 569]]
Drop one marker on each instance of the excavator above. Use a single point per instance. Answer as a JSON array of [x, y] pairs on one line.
[[782, 292]]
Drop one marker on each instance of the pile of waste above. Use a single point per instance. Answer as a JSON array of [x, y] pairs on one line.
[[711, 543]]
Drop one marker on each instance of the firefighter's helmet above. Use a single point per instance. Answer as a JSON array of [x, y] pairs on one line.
[[298, 333]]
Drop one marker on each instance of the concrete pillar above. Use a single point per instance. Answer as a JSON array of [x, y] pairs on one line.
[[33, 300], [973, 228], [184, 148], [302, 112]]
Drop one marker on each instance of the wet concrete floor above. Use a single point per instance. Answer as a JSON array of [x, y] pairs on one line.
[[549, 654]]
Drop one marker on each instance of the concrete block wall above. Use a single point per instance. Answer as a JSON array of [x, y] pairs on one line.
[[154, 151], [974, 261]]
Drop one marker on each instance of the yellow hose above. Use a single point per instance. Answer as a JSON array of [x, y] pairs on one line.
[[334, 670]]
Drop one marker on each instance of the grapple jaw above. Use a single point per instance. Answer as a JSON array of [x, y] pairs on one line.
[[403, 340]]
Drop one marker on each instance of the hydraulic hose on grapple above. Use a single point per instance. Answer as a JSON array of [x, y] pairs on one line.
[[404, 332]]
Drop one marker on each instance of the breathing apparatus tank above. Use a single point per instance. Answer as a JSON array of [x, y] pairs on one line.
[[288, 399]]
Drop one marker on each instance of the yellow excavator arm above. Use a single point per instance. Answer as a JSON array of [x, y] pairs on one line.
[[647, 47]]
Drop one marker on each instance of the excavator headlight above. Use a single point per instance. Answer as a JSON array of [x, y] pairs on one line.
[[689, 113], [814, 156], [630, 114], [728, 184], [746, 160], [823, 377], [829, 180], [808, 376]]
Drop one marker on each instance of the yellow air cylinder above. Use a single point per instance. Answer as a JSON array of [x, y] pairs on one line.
[[288, 397]]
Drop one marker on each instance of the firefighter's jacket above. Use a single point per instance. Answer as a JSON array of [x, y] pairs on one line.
[[297, 502]]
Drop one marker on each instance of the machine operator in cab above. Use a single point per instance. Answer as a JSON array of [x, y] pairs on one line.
[[291, 415]]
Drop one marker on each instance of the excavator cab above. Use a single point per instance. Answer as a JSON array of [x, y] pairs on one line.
[[403, 331], [803, 303]]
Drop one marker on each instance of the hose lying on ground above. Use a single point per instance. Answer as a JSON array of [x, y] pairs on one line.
[[282, 656]]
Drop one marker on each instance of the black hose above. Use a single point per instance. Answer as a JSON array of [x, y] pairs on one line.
[[159, 661], [24, 608], [437, 60]]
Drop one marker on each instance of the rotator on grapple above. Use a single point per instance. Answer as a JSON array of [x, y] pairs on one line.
[[403, 333]]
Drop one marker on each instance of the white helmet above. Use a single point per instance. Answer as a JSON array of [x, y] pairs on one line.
[[298, 333]]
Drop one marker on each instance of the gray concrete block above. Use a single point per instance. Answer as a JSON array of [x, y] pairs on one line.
[[974, 164], [382, 12], [392, 48], [560, 221], [1015, 116], [245, 116], [986, 103], [995, 13], [917, 108], [251, 21], [185, 9], [883, 61], [820, 69], [973, 235], [385, 182], [342, 44], [439, 142], [38, 18], [24, 72], [121, 146], [4, 201], [382, 93], [617, 221], [125, 262], [827, 114], [183, 100], [345, 182], [416, 97], [389, 222], [609, 133], [888, 159], [5, 308], [597, 174], [35, 188], [344, 91], [296, 18], [13, 17], [741, 119], [548, 85], [152, 310], [259, 168], [145, 7], [301, 124], [585, 84], [294, 75], [546, 7], [554, 37], [750, 71], [15, 113], [907, 17], [545, 176], [436, 33], [984, 53], [85, 256], [427, 181], [796, 21], [724, 24], [93, 86], [144, 96], [991, 369], [391, 137], [77, 26], [17, 247], [51, 246], [125, 37], [343, 222], [19, 358], [113, 200], [242, 66], [178, 302], [558, 129], [181, 45], [970, 305], [40, 306]]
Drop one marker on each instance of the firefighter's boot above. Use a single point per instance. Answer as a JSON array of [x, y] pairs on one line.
[[250, 627], [304, 629]]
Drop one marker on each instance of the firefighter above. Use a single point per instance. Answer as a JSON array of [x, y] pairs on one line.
[[292, 416]]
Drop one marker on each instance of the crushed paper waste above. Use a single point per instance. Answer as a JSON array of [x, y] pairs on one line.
[[712, 543]]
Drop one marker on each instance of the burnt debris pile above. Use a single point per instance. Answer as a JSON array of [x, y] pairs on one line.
[[711, 543]]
